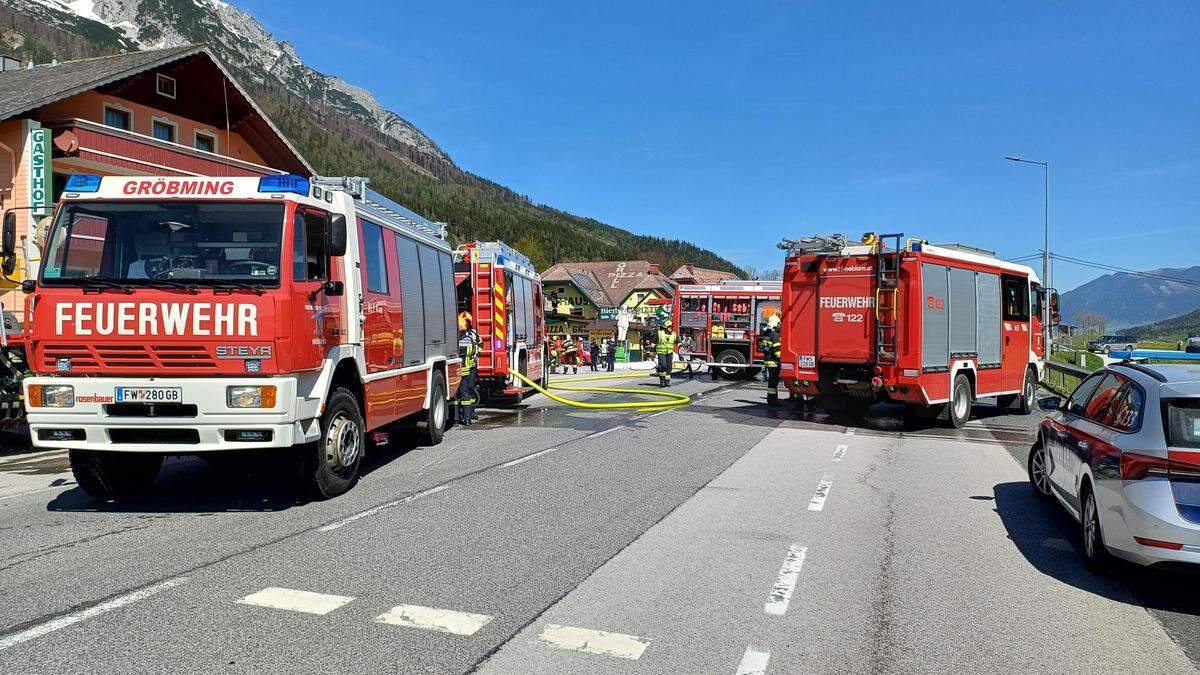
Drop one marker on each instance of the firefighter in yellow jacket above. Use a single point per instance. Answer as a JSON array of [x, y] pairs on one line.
[[664, 350], [770, 346], [468, 388]]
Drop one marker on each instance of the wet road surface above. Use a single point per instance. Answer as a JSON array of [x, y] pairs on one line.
[[721, 537]]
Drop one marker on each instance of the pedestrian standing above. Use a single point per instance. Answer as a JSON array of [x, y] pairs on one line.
[[594, 348], [664, 350], [612, 355]]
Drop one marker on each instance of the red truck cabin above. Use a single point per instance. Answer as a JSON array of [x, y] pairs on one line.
[[503, 292], [865, 323]]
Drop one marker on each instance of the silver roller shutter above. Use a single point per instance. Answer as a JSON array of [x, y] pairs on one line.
[[449, 310], [987, 300], [962, 311], [432, 302], [412, 299], [935, 317]]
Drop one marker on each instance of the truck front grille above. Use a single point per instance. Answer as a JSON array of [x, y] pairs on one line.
[[150, 410], [126, 356]]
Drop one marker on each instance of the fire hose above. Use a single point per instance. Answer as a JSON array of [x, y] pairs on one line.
[[670, 398]]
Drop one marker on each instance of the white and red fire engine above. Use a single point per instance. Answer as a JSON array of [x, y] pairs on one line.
[[503, 293], [198, 315], [723, 322], [934, 327]]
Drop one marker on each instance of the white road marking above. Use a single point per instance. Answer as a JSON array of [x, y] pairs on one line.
[[83, 615], [785, 583], [662, 412], [526, 458], [432, 618], [594, 641], [850, 431], [382, 507], [754, 662], [605, 431], [818, 500], [296, 601], [839, 453]]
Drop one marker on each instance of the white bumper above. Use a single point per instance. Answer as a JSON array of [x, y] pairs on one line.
[[291, 421]]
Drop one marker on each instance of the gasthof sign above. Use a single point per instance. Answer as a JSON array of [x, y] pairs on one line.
[[39, 172]]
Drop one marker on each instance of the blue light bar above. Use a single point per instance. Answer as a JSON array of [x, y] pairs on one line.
[[284, 183], [82, 182]]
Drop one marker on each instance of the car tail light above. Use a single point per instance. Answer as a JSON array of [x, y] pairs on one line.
[[1137, 467], [1158, 544]]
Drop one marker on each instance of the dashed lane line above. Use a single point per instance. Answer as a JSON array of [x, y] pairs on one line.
[[754, 662], [73, 618], [435, 619], [839, 453], [594, 641], [526, 458], [296, 601], [605, 431], [817, 502], [785, 583], [382, 507]]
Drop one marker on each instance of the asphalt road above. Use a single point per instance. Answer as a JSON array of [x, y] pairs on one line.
[[722, 537]]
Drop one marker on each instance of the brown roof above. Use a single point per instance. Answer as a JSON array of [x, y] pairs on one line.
[[616, 280], [702, 275]]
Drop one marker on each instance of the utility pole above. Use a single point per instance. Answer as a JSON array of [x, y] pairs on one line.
[[1045, 250]]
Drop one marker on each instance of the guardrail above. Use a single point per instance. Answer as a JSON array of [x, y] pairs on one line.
[[1062, 378]]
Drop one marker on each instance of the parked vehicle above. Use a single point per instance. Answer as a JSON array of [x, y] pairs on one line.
[[724, 320], [502, 291], [199, 315], [933, 327], [1193, 345], [1107, 343], [1122, 455]]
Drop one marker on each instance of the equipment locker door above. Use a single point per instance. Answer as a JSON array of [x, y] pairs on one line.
[[846, 311]]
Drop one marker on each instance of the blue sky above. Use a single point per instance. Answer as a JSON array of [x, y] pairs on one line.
[[735, 124]]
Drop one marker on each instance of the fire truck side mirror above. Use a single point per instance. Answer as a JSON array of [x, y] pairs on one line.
[[334, 288], [8, 244], [1054, 315], [336, 236]]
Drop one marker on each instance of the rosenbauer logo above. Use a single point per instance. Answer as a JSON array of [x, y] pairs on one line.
[[178, 187], [195, 319]]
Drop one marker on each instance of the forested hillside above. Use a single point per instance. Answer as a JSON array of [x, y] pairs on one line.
[[338, 144]]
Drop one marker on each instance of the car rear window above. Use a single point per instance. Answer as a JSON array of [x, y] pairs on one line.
[[1183, 423]]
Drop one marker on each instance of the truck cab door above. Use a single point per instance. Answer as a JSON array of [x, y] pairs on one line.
[[320, 325], [1017, 336]]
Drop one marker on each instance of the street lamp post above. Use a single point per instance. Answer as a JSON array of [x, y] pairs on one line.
[[1045, 251]]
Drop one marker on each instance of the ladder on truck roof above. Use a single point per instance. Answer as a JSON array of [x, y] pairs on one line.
[[887, 298], [492, 251], [371, 201]]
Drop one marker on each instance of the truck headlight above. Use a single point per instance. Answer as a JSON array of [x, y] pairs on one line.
[[51, 396], [250, 397]]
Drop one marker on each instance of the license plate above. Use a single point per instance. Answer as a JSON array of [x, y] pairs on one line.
[[149, 395], [807, 362]]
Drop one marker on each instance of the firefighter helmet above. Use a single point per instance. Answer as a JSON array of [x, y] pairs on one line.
[[465, 320]]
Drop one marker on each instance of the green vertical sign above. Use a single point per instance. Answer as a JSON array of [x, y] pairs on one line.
[[40, 176]]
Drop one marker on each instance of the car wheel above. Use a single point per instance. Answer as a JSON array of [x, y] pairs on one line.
[[1039, 471], [1028, 393], [1105, 349], [1095, 553], [959, 410], [114, 475], [434, 424], [1129, 348], [331, 464]]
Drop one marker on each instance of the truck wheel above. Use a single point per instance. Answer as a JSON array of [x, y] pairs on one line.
[[732, 357], [959, 410], [434, 425], [1028, 392], [114, 475], [330, 465]]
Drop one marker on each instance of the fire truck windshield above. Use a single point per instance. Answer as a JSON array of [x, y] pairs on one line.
[[201, 243]]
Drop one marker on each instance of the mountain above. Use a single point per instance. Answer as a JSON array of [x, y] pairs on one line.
[[1129, 299], [340, 128], [1175, 328]]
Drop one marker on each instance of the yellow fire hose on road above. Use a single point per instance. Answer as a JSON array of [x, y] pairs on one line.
[[671, 399]]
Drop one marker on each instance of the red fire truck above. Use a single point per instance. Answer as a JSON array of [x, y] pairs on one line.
[[502, 291], [934, 327], [182, 315], [723, 322]]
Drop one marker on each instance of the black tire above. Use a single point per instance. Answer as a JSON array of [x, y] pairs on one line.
[[1129, 348], [114, 475], [1025, 402], [1038, 468], [433, 427], [959, 409], [731, 356], [1095, 552], [1105, 349], [330, 466]]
